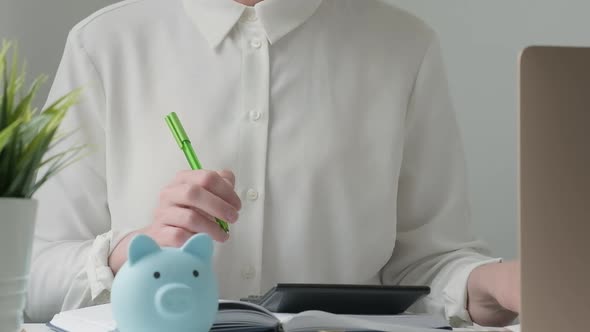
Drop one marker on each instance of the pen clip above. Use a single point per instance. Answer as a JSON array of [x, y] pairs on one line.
[[177, 129]]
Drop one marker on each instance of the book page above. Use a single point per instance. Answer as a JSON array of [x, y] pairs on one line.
[[317, 320], [236, 314], [283, 318], [232, 315], [239, 305], [90, 319], [514, 328]]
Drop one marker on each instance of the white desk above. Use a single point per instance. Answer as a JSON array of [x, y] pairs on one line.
[[35, 328], [43, 328]]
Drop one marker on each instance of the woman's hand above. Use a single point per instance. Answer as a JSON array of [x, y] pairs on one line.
[[494, 293], [187, 206]]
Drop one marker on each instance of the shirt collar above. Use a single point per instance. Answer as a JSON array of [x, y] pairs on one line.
[[216, 18]]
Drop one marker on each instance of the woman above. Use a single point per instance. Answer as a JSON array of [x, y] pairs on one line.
[[326, 129]]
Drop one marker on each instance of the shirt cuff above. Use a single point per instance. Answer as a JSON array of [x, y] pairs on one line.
[[100, 275], [455, 293]]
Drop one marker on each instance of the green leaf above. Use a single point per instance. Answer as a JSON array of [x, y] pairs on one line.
[[13, 150], [28, 135], [53, 117], [59, 138], [14, 83], [3, 79], [56, 168], [38, 144], [7, 133], [4, 111], [28, 167], [32, 128], [57, 157], [3, 51], [24, 110], [66, 101]]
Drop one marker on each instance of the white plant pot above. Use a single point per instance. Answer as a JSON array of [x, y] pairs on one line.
[[17, 225]]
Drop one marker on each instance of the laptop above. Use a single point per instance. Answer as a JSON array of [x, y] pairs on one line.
[[554, 189]]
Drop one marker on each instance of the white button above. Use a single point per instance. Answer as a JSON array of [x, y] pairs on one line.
[[252, 194], [256, 43], [248, 272], [255, 115], [251, 17]]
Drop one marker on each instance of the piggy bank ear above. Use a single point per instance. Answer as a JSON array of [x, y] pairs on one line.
[[201, 246], [140, 247]]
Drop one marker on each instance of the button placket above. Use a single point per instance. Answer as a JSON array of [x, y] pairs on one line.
[[248, 272], [254, 115], [252, 195], [251, 17], [253, 146], [256, 43]]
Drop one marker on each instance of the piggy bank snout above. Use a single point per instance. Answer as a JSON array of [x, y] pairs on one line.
[[174, 299]]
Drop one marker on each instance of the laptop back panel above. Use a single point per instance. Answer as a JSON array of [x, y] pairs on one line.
[[554, 191]]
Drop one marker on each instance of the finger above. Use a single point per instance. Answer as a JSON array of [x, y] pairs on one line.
[[213, 183], [199, 198], [168, 213], [193, 222], [228, 176]]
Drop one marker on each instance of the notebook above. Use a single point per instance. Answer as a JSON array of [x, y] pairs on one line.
[[238, 316]]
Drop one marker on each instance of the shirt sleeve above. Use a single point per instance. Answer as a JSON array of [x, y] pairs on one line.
[[435, 243], [72, 238]]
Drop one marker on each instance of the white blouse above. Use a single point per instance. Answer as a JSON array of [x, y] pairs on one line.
[[334, 115]]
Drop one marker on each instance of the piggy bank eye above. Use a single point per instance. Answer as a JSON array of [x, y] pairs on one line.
[[157, 275], [195, 273]]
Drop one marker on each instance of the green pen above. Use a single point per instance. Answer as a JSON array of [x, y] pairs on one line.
[[185, 145]]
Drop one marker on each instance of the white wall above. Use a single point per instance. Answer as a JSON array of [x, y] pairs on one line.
[[41, 28], [481, 42]]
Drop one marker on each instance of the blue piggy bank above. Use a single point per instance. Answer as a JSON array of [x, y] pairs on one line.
[[166, 289]]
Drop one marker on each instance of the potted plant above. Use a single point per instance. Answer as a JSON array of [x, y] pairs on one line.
[[26, 136]]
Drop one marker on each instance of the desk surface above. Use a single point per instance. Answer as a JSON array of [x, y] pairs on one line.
[[36, 328], [43, 328]]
